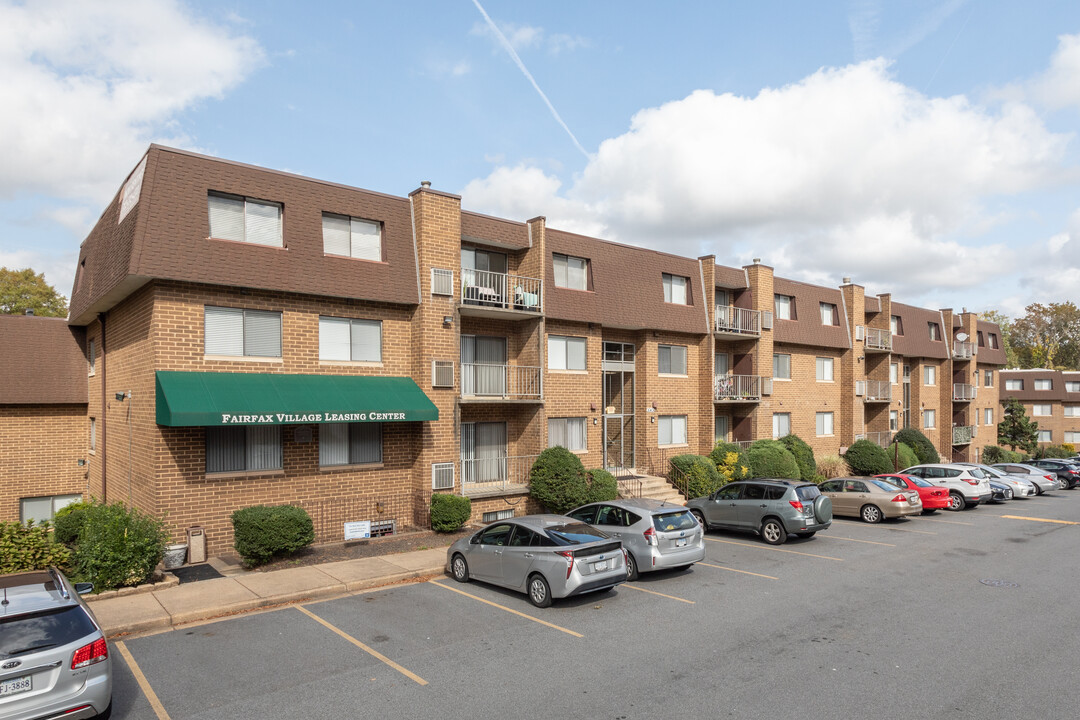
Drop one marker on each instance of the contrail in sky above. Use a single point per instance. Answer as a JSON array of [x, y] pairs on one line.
[[521, 66]]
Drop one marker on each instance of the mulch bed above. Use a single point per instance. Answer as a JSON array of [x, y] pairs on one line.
[[402, 542]]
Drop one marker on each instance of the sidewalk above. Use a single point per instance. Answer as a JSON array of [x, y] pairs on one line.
[[212, 598]]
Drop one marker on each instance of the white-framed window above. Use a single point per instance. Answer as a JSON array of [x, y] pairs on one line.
[[1014, 384], [988, 418], [1042, 409], [566, 353], [1072, 386], [671, 359], [894, 373], [1072, 436], [896, 325], [781, 366], [93, 434], [935, 331], [91, 358], [1044, 384], [568, 433], [781, 425], [824, 423], [1072, 411], [784, 307], [829, 316], [244, 219], [571, 272], [349, 339], [988, 378], [675, 288], [672, 430], [495, 515], [242, 448], [824, 369], [720, 428], [993, 341], [350, 444], [237, 332], [1045, 436], [930, 375], [929, 418], [39, 509], [351, 237], [894, 420]]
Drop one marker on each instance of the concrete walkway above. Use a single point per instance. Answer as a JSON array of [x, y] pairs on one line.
[[206, 599]]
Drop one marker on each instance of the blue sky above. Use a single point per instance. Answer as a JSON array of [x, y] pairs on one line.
[[928, 149]]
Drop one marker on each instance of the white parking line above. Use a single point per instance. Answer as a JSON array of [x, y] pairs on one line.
[[868, 542], [774, 549], [852, 523]]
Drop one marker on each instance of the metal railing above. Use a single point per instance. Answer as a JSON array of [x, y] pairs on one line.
[[498, 473], [877, 339], [737, 387], [882, 439], [514, 382], [630, 484], [492, 289], [963, 434], [744, 444], [963, 392], [736, 320], [963, 350], [878, 391]]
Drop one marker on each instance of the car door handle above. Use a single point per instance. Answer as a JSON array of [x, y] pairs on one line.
[[498, 552], [528, 555], [763, 505], [616, 534]]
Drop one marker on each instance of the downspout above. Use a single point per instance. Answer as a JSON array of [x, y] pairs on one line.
[[104, 445]]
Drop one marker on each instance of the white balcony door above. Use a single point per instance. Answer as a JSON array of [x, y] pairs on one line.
[[723, 363], [483, 362], [483, 452]]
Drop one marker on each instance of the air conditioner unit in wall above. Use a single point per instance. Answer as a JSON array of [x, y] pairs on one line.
[[442, 373], [442, 476], [860, 388], [766, 386], [766, 320], [860, 332]]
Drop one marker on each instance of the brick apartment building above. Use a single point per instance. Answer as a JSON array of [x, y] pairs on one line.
[[250, 336], [1051, 398]]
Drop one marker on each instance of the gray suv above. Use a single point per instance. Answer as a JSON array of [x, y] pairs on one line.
[[773, 509]]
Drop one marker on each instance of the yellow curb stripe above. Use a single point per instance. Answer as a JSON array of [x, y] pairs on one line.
[[744, 572], [868, 542], [370, 651], [774, 549], [509, 610], [1046, 520], [653, 592], [144, 684]]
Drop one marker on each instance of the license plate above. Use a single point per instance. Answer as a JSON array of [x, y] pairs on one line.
[[18, 685], [680, 542], [600, 566]]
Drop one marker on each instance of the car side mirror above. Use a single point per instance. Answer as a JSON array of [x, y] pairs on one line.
[[84, 588]]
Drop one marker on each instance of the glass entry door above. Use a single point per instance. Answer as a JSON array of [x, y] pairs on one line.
[[618, 405]]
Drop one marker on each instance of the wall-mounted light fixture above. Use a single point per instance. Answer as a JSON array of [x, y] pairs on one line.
[[82, 462], [120, 396], [447, 320], [595, 421]]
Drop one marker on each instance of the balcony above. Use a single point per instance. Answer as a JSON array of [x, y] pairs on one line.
[[496, 476], [963, 434], [877, 340], [492, 294], [877, 391], [963, 350], [485, 382], [962, 392], [881, 439], [737, 321], [739, 388]]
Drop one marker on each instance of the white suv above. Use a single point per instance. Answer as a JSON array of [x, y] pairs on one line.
[[968, 486]]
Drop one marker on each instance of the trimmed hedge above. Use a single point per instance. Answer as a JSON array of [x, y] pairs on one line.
[[924, 449], [804, 455], [560, 482], [118, 546], [68, 522], [730, 461], [908, 458], [867, 458], [701, 475], [262, 531], [31, 547], [770, 459], [992, 454], [449, 512], [602, 485], [1053, 451]]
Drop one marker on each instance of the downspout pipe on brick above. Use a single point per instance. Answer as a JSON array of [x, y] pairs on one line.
[[104, 414]]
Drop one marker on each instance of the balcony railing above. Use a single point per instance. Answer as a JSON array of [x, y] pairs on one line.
[[507, 382], [963, 350], [497, 474], [963, 434], [877, 339], [878, 438], [878, 391], [736, 388], [962, 392], [744, 444], [738, 321], [499, 290]]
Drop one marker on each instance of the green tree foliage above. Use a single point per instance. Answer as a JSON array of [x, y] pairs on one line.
[[992, 454], [449, 512], [902, 455], [867, 458], [804, 455], [22, 290], [31, 547], [924, 449], [68, 522], [1016, 430], [1053, 451], [1047, 336], [770, 459], [602, 485], [699, 474]]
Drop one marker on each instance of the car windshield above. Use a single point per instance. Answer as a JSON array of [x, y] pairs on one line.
[[886, 486], [26, 633], [680, 520], [807, 493], [573, 534]]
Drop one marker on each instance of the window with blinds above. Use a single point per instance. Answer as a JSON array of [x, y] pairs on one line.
[[671, 359], [675, 289], [824, 369], [245, 220], [781, 366], [350, 444], [236, 332], [243, 448], [671, 430], [352, 237], [350, 340], [571, 272], [781, 425], [568, 433], [566, 353], [824, 423]]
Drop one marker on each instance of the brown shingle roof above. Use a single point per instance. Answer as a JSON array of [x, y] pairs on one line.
[[987, 354], [492, 230], [806, 328], [627, 289], [44, 361], [731, 278], [1029, 393], [916, 342]]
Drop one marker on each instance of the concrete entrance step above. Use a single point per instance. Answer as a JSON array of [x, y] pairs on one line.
[[657, 488]]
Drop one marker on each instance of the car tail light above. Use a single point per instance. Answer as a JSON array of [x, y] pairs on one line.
[[796, 504], [900, 498], [970, 481], [650, 536], [90, 654], [626, 558], [569, 555], [1051, 478]]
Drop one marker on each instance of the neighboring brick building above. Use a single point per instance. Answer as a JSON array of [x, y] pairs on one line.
[[1051, 398], [266, 338]]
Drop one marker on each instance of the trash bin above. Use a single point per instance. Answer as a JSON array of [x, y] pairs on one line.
[[174, 556], [196, 538]]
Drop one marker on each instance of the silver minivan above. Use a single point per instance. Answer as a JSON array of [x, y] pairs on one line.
[[656, 534]]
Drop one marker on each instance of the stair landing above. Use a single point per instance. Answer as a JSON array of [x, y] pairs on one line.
[[657, 488]]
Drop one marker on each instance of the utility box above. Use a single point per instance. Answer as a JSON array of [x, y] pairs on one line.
[[196, 540]]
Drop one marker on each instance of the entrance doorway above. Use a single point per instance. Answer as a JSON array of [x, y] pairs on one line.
[[618, 405]]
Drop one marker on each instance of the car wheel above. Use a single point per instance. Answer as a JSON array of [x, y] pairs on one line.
[[931, 511], [957, 501], [631, 567], [460, 568], [700, 518], [539, 591], [773, 532], [1038, 489], [871, 513]]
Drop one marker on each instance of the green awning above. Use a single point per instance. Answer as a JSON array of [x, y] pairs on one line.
[[187, 399]]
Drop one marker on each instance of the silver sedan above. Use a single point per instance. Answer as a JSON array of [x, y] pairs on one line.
[[543, 556]]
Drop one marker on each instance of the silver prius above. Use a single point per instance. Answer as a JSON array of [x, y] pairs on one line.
[[543, 556], [656, 534]]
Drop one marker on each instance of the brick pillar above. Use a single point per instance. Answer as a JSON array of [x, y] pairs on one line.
[[852, 366], [707, 412], [949, 413], [534, 263], [761, 298]]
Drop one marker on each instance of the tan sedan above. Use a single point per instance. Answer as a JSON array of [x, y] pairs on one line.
[[870, 498]]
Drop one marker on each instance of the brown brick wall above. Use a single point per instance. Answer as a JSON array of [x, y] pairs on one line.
[[40, 449]]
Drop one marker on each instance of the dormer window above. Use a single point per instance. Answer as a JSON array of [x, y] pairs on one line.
[[896, 325], [1046, 384], [993, 341], [351, 237], [784, 306], [981, 339], [244, 219], [571, 272], [935, 331], [675, 289], [829, 316]]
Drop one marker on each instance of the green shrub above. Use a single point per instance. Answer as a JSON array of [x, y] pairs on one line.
[[804, 455], [770, 459], [730, 461], [867, 458], [924, 449], [1053, 451], [699, 473], [68, 522], [992, 454], [907, 455], [118, 546], [832, 466], [449, 512], [263, 531], [557, 480], [602, 485], [30, 548]]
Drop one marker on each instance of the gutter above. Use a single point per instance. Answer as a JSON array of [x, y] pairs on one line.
[[104, 414]]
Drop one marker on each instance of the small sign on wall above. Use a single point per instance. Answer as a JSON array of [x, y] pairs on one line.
[[358, 530]]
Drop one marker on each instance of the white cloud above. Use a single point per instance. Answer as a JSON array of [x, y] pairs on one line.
[[527, 37], [1059, 86], [87, 86], [58, 267]]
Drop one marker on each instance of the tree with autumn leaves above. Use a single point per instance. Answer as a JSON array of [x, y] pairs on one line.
[[1046, 336], [22, 290]]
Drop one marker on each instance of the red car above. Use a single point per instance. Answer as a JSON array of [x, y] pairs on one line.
[[934, 497]]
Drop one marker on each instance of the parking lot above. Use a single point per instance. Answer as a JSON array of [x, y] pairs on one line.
[[959, 615]]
